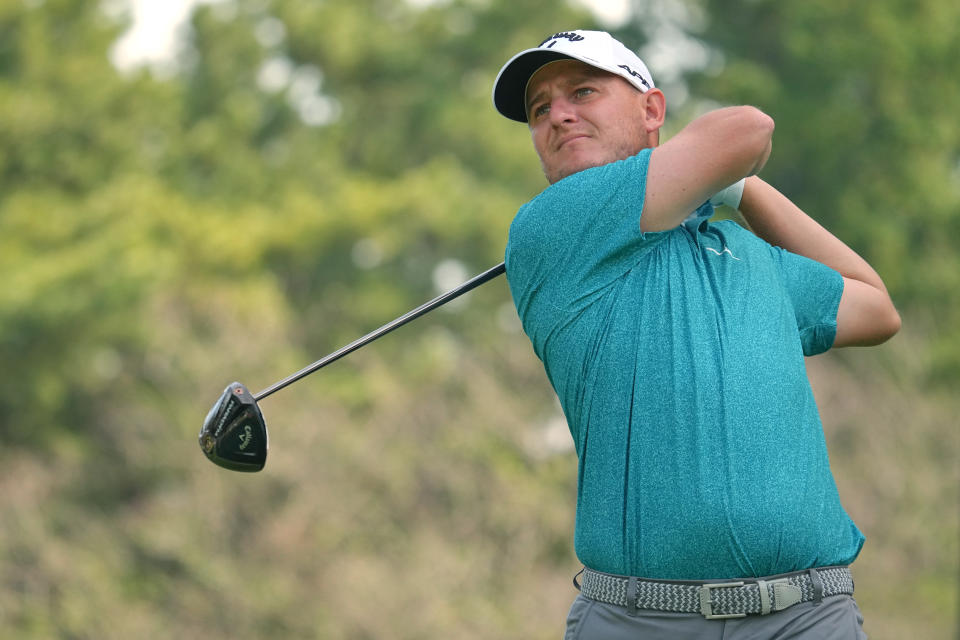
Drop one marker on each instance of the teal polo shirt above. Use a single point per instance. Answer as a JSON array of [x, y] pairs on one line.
[[678, 358]]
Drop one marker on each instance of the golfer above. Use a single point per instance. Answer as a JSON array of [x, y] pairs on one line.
[[706, 507]]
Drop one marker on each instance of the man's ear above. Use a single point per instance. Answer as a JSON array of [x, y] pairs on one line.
[[654, 110]]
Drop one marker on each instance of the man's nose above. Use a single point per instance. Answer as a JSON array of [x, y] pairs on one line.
[[562, 110]]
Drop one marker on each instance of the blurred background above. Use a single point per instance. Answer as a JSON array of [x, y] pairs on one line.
[[195, 193]]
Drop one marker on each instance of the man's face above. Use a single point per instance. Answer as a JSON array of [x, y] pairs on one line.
[[581, 117]]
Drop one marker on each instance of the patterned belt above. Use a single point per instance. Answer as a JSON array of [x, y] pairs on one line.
[[730, 599]]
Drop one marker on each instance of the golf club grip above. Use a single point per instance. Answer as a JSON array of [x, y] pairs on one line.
[[442, 299]]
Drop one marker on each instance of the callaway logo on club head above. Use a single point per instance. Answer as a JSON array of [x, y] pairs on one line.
[[572, 37], [246, 437]]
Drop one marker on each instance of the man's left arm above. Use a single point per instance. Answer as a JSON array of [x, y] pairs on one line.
[[866, 315]]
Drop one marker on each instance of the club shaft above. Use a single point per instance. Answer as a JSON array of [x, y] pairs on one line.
[[469, 285]]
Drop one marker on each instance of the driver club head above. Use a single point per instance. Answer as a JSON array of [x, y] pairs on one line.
[[234, 435]]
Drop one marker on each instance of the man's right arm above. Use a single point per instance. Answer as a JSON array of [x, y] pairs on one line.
[[867, 315], [712, 152]]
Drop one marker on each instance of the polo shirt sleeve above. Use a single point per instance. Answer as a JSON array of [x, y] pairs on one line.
[[578, 236], [814, 290]]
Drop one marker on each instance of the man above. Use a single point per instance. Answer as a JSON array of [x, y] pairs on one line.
[[676, 346]]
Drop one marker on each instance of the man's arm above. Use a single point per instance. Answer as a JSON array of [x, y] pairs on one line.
[[715, 150], [866, 315]]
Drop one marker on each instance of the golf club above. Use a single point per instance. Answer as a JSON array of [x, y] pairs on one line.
[[234, 434]]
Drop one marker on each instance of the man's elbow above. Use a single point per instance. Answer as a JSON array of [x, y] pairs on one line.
[[866, 316], [755, 135], [760, 121], [891, 324], [762, 126], [883, 325]]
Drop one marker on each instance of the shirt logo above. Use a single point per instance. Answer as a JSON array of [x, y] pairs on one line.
[[720, 253]]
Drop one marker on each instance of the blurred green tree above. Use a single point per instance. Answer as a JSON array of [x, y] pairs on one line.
[[308, 171]]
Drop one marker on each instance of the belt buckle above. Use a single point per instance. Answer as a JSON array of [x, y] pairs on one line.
[[706, 604]]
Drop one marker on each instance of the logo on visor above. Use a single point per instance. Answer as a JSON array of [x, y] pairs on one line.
[[572, 37], [636, 75]]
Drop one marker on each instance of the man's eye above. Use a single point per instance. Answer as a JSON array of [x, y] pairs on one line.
[[541, 110], [582, 92]]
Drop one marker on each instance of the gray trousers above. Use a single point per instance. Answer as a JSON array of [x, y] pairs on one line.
[[834, 618]]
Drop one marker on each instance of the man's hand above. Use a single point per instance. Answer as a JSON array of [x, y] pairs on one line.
[[710, 153]]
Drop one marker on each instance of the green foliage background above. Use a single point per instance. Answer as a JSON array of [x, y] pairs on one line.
[[294, 182]]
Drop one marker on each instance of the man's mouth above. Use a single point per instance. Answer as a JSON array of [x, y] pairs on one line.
[[571, 138]]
